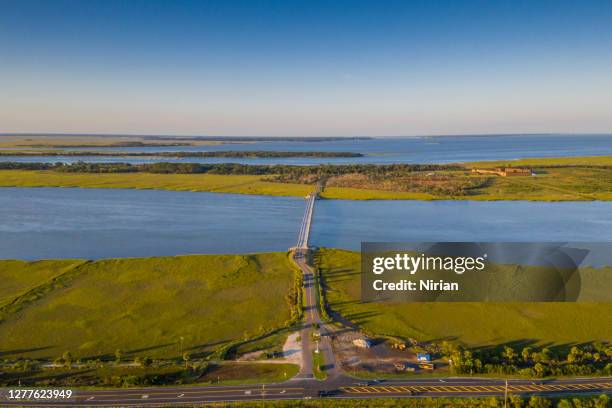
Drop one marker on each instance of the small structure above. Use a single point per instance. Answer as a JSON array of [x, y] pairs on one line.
[[424, 357], [363, 343], [404, 367], [505, 171]]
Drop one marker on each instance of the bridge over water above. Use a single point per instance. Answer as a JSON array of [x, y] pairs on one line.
[[305, 226]]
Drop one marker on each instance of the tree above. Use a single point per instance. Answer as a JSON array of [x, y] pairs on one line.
[[539, 402], [147, 361], [118, 355], [526, 353], [546, 355], [536, 357], [539, 369], [509, 353], [515, 401], [602, 402], [67, 358], [564, 404], [575, 355], [186, 358]]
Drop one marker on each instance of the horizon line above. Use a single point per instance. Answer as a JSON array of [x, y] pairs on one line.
[[169, 135]]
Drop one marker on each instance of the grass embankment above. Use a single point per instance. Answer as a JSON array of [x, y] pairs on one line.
[[122, 375], [158, 307], [239, 184], [473, 324], [558, 179]]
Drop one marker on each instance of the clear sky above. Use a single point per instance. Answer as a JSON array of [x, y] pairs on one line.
[[308, 67]]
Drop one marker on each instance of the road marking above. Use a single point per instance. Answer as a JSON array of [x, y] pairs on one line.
[[472, 389], [200, 391]]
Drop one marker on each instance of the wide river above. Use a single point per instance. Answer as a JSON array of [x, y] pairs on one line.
[[438, 149], [38, 223]]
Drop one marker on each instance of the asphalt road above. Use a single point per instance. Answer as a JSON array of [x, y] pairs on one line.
[[339, 387]]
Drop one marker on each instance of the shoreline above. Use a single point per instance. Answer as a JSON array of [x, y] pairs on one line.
[[561, 179]]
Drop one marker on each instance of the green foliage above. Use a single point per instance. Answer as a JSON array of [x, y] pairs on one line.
[[444, 402], [142, 305], [566, 179]]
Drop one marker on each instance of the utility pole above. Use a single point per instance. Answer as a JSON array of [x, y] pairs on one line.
[[506, 394], [263, 392]]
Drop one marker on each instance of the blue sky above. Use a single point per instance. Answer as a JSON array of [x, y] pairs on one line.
[[305, 67]]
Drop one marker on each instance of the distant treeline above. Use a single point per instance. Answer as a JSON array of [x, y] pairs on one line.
[[258, 139], [233, 153], [117, 144], [283, 173]]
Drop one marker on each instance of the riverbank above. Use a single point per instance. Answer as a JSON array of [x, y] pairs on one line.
[[237, 184]]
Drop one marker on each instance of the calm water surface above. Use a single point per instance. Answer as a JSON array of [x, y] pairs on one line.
[[338, 222], [438, 149], [102, 223], [40, 223]]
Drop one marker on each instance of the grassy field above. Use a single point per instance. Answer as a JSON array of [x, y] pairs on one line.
[[159, 307], [589, 178], [474, 324], [181, 182], [19, 277]]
